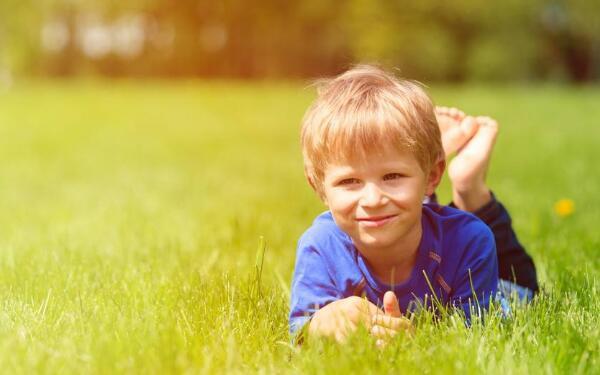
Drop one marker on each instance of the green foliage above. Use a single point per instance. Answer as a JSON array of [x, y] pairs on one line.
[[502, 57], [131, 218], [426, 39]]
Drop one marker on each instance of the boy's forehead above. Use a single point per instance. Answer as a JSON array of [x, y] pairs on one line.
[[377, 158]]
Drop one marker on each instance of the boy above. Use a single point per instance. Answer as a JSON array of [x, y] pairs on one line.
[[372, 151]]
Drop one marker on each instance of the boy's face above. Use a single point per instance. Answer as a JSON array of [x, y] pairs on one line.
[[378, 201]]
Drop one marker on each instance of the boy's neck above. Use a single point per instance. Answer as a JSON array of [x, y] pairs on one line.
[[394, 265]]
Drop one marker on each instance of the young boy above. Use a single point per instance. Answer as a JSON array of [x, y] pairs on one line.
[[373, 151]]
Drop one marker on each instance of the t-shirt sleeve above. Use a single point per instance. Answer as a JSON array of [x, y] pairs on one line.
[[477, 278], [312, 286]]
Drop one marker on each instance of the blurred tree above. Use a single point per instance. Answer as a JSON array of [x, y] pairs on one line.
[[426, 39], [455, 41], [404, 35], [571, 31], [18, 48]]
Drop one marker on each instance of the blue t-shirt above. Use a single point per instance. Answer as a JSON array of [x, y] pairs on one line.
[[456, 256]]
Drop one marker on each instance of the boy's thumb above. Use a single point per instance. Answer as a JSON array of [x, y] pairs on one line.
[[390, 304]]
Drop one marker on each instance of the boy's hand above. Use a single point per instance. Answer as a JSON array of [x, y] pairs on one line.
[[387, 325], [340, 318]]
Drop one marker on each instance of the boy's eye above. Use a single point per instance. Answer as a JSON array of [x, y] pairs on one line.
[[392, 176], [348, 181]]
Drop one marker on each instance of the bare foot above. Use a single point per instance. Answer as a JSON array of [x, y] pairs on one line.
[[455, 132], [467, 171]]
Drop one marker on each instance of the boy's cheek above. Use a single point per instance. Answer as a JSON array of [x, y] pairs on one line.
[[340, 202]]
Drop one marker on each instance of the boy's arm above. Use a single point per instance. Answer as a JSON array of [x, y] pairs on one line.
[[317, 305], [312, 287], [476, 280], [514, 264]]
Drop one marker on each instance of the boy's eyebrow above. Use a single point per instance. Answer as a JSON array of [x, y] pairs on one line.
[[393, 165], [347, 170], [342, 170]]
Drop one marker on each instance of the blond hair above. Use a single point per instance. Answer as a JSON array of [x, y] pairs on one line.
[[364, 110]]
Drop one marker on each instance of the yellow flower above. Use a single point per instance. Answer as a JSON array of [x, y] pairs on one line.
[[564, 207]]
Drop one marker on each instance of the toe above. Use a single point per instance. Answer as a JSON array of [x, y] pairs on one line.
[[440, 110], [487, 121], [469, 126], [488, 124]]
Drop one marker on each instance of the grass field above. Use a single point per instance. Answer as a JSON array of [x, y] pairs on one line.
[[131, 216]]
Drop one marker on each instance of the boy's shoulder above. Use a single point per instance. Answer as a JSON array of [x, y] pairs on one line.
[[324, 244], [324, 232], [453, 220], [458, 232]]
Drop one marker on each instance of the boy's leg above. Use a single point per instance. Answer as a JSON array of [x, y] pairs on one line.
[[468, 169], [473, 139], [455, 133]]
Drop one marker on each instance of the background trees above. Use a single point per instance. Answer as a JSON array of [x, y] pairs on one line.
[[427, 39]]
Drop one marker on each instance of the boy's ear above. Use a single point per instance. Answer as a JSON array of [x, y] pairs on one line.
[[308, 175], [323, 199], [313, 185], [320, 193], [435, 175]]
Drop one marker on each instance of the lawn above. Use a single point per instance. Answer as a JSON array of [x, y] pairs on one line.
[[132, 219]]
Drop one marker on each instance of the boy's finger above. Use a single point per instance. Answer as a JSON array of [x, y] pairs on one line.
[[392, 322], [340, 336], [343, 325], [366, 309], [382, 332], [390, 304], [370, 308]]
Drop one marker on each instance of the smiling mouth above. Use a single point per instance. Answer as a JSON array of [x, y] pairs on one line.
[[376, 221]]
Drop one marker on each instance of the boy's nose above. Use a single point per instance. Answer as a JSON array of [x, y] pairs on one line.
[[373, 196]]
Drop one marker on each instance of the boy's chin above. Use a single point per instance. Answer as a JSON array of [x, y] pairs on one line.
[[374, 244]]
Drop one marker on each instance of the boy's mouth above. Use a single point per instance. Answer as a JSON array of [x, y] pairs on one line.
[[376, 221]]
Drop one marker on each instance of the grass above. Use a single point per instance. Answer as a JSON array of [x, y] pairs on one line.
[[131, 216]]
